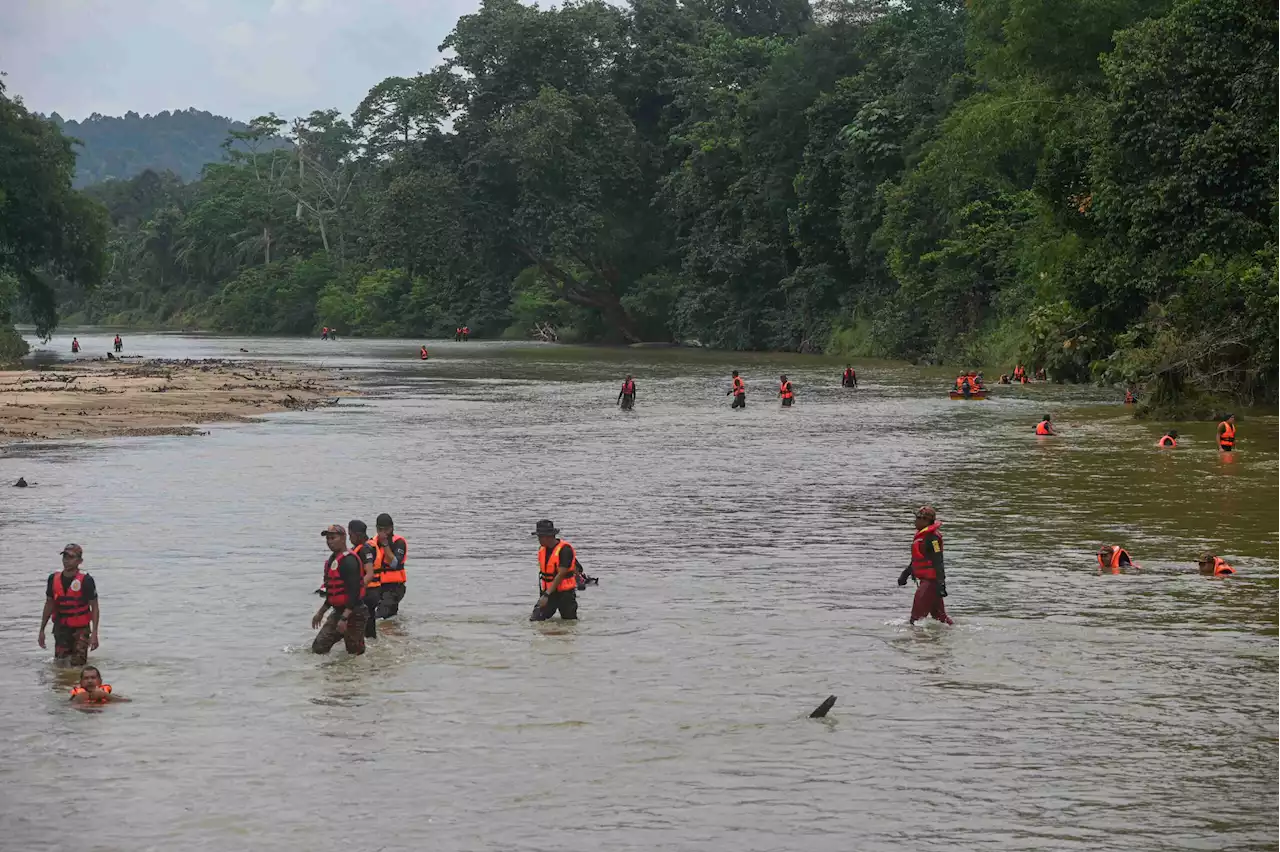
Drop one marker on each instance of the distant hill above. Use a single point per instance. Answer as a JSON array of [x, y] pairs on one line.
[[118, 148]]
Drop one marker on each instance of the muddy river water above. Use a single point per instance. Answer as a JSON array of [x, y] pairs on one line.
[[747, 564]]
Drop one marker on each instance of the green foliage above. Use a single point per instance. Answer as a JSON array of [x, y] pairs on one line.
[[1087, 186]]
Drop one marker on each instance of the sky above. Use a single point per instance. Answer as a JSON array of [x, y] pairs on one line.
[[237, 58]]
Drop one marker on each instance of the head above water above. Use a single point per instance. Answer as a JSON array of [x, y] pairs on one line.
[[1206, 562], [1172, 433], [72, 556], [546, 532], [783, 377], [358, 531], [90, 677], [925, 516], [336, 537], [735, 374], [1229, 417]]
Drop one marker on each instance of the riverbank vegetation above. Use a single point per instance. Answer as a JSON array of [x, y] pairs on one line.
[[1087, 186]]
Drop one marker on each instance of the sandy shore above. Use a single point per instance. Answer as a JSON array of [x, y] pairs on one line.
[[100, 399]]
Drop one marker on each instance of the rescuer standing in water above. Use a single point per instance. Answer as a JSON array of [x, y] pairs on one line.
[[344, 595], [71, 600], [392, 554], [926, 567], [557, 575], [739, 391], [786, 392], [627, 396]]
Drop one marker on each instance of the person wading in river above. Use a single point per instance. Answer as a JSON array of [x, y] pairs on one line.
[[71, 600], [627, 396], [392, 554], [367, 553], [926, 567], [1227, 433], [1044, 427], [850, 377], [557, 575], [343, 595], [1214, 566], [739, 391], [786, 392]]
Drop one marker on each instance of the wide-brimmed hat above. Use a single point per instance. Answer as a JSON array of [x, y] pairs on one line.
[[545, 527]]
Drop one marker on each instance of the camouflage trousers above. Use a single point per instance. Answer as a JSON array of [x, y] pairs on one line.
[[71, 645], [352, 636]]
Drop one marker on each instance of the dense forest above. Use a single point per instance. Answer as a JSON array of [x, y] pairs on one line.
[[1088, 186], [118, 148]]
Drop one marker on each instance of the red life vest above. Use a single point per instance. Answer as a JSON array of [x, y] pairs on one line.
[[70, 609], [921, 564], [785, 390], [629, 388], [739, 386], [423, 354], [549, 566], [1042, 428], [335, 588], [1166, 442], [384, 576]]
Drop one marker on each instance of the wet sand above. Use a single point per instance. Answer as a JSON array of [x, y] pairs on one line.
[[100, 399]]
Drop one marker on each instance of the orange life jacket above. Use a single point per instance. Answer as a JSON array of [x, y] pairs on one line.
[[80, 690], [70, 609], [1128, 398], [549, 566], [960, 381], [1227, 440], [739, 386], [358, 550], [1220, 567], [383, 575], [1167, 442], [1113, 562], [921, 564], [785, 390], [1042, 428], [335, 588]]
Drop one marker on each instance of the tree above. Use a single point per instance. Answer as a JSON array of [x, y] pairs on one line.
[[47, 230]]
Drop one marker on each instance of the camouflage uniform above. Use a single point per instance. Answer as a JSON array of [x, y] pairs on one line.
[[353, 636], [71, 644]]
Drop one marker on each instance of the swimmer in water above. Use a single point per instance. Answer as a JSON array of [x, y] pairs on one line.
[[91, 689]]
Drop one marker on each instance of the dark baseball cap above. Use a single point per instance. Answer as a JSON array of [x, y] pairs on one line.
[[357, 527], [334, 529], [384, 521], [73, 550]]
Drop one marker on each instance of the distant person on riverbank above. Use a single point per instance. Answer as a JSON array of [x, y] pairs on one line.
[[392, 554], [75, 345], [927, 569], [1213, 566], [466, 332], [1044, 427], [343, 595], [1113, 557], [1227, 433], [71, 601], [627, 396], [1042, 375], [457, 334], [1169, 441], [422, 353], [785, 391], [118, 344], [739, 391], [324, 333], [358, 532], [557, 575], [850, 378], [91, 689], [1131, 396]]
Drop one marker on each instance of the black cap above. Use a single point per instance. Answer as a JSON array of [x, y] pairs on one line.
[[384, 521], [545, 527], [357, 527]]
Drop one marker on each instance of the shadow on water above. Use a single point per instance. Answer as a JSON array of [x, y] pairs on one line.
[[748, 562]]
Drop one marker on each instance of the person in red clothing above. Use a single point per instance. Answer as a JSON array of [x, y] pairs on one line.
[[71, 600], [926, 568]]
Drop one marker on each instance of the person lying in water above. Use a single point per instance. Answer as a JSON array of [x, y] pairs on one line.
[[1214, 566], [91, 689]]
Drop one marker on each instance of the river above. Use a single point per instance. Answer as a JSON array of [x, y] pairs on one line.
[[747, 564]]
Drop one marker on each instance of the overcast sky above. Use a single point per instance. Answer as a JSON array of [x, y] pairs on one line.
[[238, 58]]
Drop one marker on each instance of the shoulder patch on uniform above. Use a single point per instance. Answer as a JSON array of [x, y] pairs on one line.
[[937, 546]]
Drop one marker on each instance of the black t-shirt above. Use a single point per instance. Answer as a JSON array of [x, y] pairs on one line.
[[350, 570], [366, 553]]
